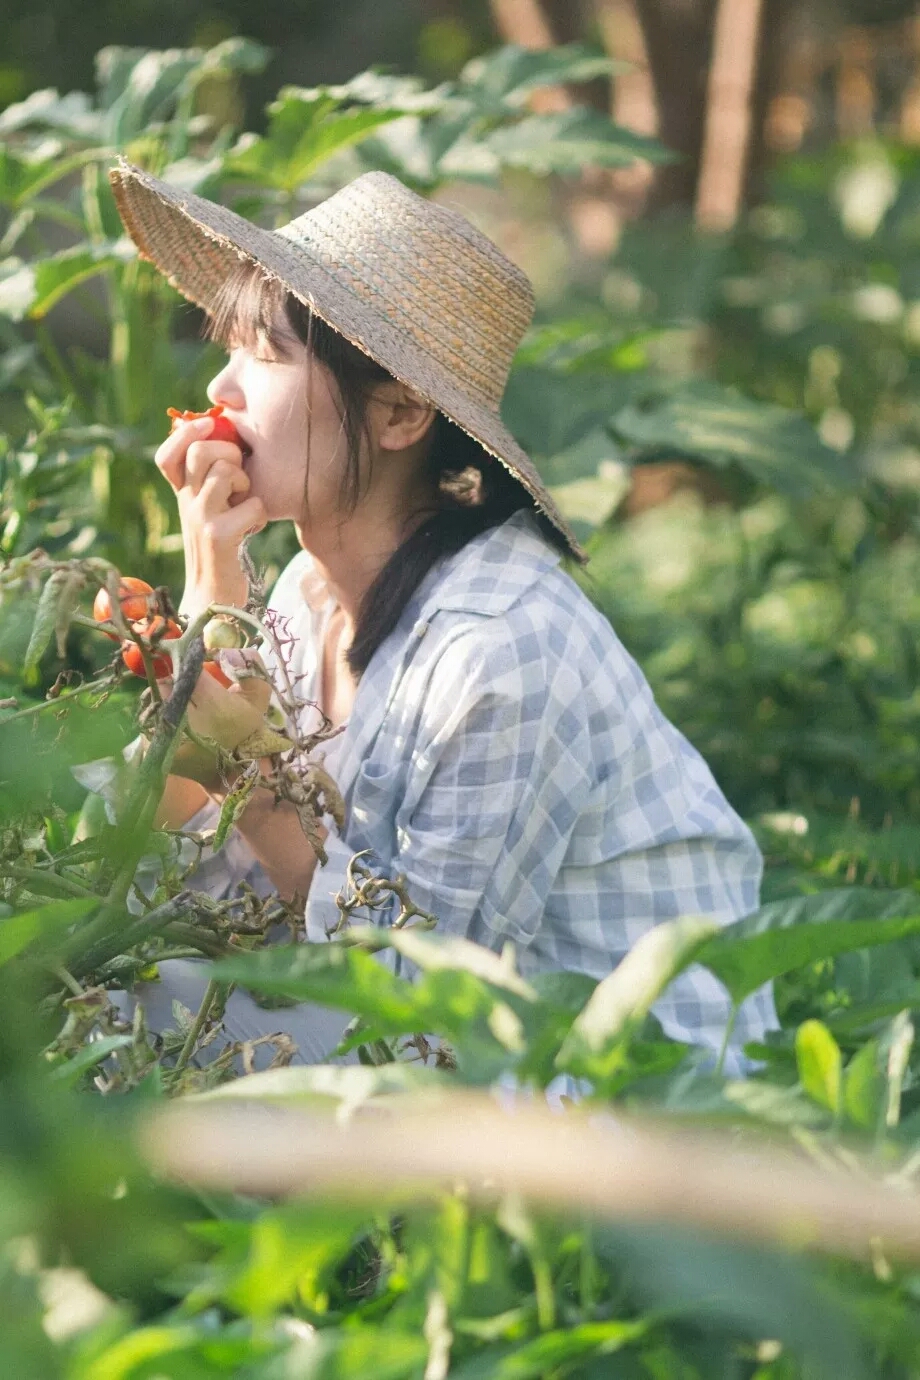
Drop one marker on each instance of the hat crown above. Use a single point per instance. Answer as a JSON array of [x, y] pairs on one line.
[[432, 275]]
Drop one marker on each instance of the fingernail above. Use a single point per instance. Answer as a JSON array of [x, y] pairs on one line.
[[203, 424]]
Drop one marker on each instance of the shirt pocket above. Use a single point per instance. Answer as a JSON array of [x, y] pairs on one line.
[[375, 799]]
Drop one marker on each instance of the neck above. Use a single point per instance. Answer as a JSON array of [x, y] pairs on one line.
[[351, 555]]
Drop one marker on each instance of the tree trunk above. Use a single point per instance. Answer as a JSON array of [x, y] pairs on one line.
[[727, 132], [678, 40]]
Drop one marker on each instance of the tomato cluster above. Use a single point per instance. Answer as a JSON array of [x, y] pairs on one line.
[[133, 596]]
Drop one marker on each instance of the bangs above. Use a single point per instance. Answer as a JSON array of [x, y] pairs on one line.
[[245, 312]]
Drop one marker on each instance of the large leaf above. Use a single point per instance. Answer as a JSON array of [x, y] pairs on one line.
[[71, 114], [553, 1352], [504, 79], [820, 1065], [33, 289], [621, 1002], [707, 422], [743, 1289], [567, 141], [140, 86], [790, 934], [303, 133]]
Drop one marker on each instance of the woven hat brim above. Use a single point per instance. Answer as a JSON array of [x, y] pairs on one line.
[[195, 243]]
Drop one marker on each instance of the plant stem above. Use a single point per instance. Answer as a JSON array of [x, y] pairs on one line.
[[84, 958], [68, 980], [129, 838], [729, 1031], [88, 688], [191, 1039], [66, 887]]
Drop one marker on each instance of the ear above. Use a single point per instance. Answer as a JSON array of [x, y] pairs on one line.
[[400, 417]]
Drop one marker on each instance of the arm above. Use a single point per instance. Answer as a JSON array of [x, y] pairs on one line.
[[276, 839], [491, 797]]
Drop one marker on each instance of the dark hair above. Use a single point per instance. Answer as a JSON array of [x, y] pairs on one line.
[[475, 491]]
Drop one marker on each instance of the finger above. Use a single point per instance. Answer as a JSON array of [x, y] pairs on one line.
[[230, 527], [203, 456], [170, 456], [221, 483], [254, 690]]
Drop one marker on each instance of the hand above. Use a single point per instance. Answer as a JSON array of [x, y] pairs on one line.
[[211, 486], [228, 716]]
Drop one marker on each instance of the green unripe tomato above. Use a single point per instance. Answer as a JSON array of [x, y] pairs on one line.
[[222, 634]]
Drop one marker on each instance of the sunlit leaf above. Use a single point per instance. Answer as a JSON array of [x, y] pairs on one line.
[[819, 1062], [33, 289], [567, 141], [623, 999], [789, 934], [719, 426]]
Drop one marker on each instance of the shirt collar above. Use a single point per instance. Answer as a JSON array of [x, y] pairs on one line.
[[485, 576]]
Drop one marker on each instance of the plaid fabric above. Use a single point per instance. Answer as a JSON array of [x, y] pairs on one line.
[[506, 754]]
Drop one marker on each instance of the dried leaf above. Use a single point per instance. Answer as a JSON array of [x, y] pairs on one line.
[[332, 797], [310, 825], [46, 621], [68, 599], [264, 742]]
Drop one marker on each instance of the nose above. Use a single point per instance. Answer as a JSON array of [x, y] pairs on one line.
[[224, 388]]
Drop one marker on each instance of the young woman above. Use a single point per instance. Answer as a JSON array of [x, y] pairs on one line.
[[499, 747]]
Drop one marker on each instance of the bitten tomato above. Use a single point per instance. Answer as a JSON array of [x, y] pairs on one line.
[[223, 429], [148, 629], [132, 597]]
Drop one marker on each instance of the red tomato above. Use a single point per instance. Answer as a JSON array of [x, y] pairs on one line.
[[132, 597], [223, 429], [131, 653], [214, 670]]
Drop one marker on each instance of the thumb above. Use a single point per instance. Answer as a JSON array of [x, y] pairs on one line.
[[255, 691]]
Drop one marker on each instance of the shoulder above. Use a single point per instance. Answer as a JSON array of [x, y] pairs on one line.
[[505, 602]]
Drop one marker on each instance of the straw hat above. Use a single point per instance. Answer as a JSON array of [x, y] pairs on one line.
[[412, 284]]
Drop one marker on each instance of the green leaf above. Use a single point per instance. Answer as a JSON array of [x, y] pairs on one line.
[[302, 135], [748, 1290], [139, 86], [333, 974], [505, 78], [542, 1355], [432, 952], [349, 1085], [621, 1002], [790, 934], [33, 289], [71, 114], [720, 426], [568, 141], [286, 1254], [70, 1071], [819, 1063], [17, 932], [864, 1092]]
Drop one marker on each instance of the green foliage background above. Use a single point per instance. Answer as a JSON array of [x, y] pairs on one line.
[[778, 625]]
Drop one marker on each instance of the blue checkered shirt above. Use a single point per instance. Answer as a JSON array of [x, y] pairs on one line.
[[506, 754]]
